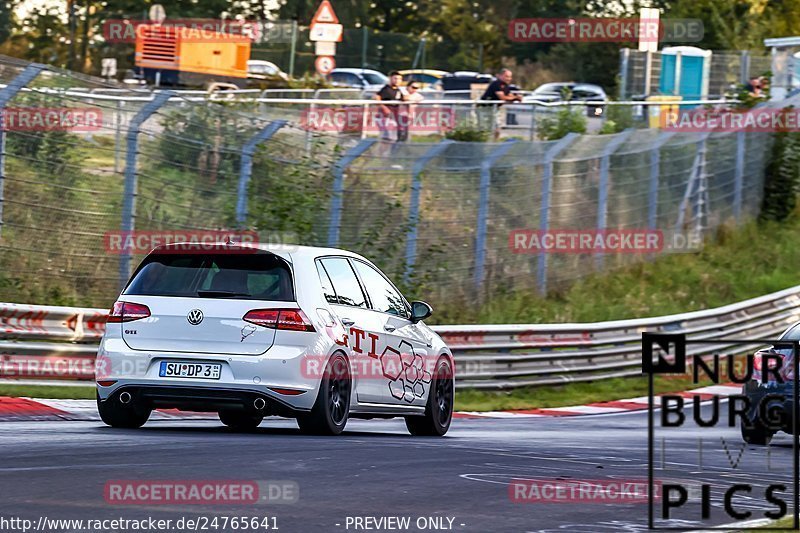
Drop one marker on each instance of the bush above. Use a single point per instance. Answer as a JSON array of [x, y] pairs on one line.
[[618, 118], [565, 121], [467, 133], [782, 178]]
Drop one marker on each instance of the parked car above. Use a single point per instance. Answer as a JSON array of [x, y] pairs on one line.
[[427, 79], [248, 331], [464, 80], [570, 92], [264, 70], [358, 78]]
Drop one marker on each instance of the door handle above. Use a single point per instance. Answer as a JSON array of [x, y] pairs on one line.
[[389, 328], [347, 322]]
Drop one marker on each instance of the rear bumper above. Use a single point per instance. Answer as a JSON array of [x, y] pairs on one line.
[[247, 376], [206, 399]]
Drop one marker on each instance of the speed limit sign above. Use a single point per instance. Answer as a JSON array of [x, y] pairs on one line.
[[324, 64]]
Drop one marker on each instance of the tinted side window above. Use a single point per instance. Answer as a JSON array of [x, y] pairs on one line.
[[345, 283], [327, 286], [383, 296]]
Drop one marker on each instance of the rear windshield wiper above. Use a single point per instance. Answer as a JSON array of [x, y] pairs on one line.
[[221, 294]]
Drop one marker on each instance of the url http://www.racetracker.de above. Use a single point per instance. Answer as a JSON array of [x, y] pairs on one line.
[[143, 525]]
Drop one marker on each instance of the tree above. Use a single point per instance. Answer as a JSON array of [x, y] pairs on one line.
[[6, 19]]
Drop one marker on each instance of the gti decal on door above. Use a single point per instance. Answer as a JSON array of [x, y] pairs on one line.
[[410, 382], [403, 367]]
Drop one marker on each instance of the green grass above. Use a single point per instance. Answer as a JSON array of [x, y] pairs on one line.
[[568, 394], [49, 391], [786, 522], [734, 265]]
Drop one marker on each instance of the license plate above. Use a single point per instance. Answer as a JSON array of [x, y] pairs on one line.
[[190, 370]]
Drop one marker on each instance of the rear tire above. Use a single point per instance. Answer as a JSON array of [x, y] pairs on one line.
[[439, 409], [240, 420], [118, 415], [757, 434], [332, 407]]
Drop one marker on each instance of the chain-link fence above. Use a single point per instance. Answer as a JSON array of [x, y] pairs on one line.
[[438, 216], [725, 69]]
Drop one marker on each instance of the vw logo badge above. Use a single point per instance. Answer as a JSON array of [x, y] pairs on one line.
[[195, 316]]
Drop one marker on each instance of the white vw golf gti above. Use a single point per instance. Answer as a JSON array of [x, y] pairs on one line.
[[248, 331]]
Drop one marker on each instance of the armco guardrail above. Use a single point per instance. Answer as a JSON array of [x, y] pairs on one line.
[[62, 340]]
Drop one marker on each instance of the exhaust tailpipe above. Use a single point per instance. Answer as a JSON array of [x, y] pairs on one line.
[[125, 397], [259, 404]]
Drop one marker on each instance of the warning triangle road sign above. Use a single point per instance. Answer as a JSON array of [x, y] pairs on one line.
[[325, 13]]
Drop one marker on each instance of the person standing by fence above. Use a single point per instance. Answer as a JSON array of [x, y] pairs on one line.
[[390, 114], [499, 91]]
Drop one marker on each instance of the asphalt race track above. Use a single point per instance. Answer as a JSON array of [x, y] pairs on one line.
[[59, 470]]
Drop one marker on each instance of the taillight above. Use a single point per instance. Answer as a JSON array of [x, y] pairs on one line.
[[287, 392], [775, 360], [287, 319], [127, 312]]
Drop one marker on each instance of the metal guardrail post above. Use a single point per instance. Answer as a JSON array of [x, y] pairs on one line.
[[338, 187], [544, 214], [602, 197], [738, 179], [131, 185], [413, 210], [6, 94], [483, 207], [655, 171], [246, 166]]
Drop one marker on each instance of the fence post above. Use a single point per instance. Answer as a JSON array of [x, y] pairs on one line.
[[293, 48], [131, 185], [694, 195], [413, 209], [246, 166], [624, 60], [738, 180], [6, 94], [544, 215], [744, 66], [655, 171], [483, 207], [117, 135], [602, 197], [338, 187]]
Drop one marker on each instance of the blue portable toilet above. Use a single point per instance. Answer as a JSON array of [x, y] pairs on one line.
[[685, 72]]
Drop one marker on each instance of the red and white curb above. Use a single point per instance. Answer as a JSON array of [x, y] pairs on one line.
[[27, 409], [602, 408], [18, 409]]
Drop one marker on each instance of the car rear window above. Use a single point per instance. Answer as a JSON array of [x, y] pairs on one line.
[[256, 276]]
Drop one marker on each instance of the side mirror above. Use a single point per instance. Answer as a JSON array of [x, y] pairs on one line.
[[420, 311]]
